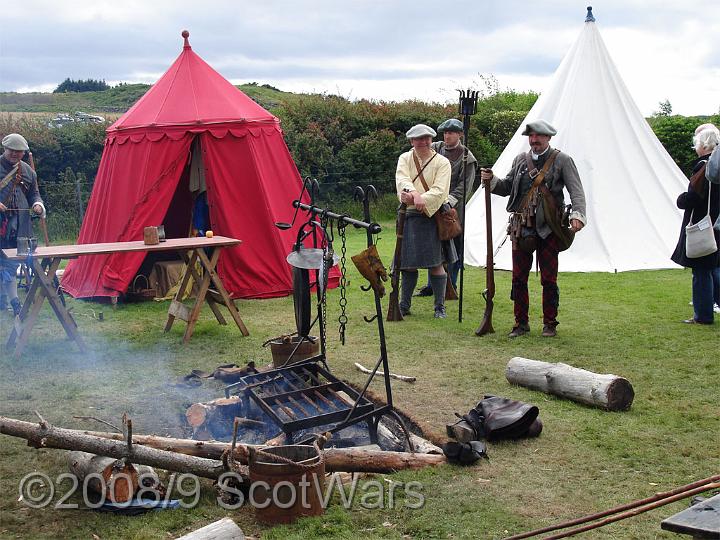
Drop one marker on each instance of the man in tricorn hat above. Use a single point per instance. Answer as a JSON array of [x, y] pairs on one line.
[[19, 196], [535, 185], [422, 180], [453, 149]]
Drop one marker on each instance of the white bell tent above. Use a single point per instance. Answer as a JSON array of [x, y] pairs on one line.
[[630, 181]]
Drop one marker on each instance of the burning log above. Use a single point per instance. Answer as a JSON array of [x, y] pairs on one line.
[[360, 459], [213, 419], [43, 435], [120, 479], [599, 390]]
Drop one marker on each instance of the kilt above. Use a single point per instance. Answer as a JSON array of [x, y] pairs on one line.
[[421, 246]]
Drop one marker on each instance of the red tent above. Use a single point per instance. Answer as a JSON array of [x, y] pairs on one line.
[[143, 176]]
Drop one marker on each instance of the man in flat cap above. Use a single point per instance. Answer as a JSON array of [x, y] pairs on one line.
[[422, 180], [453, 149], [19, 196], [535, 186]]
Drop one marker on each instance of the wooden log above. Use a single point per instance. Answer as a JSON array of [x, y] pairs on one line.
[[115, 478], [43, 435], [224, 529], [202, 413], [359, 459], [213, 419], [599, 390]]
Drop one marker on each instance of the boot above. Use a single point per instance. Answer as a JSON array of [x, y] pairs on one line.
[[425, 291], [438, 286], [371, 267], [520, 329], [16, 306], [550, 329]]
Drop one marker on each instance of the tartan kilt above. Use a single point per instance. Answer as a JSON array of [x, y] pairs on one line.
[[421, 246]]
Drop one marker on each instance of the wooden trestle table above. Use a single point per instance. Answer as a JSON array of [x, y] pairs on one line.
[[45, 262]]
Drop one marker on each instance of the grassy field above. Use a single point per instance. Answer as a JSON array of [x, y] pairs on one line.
[[586, 460]]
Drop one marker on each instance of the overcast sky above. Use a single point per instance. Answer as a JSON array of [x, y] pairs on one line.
[[386, 50]]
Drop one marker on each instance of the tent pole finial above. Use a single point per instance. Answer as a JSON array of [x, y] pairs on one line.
[[185, 34], [589, 17]]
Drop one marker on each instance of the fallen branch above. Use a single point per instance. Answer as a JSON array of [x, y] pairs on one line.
[[44, 435], [336, 459], [404, 378]]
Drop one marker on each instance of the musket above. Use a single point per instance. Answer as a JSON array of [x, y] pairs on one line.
[[394, 314], [43, 221], [488, 294]]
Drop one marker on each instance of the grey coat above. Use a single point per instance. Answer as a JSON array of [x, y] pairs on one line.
[[562, 174], [18, 221], [457, 186]]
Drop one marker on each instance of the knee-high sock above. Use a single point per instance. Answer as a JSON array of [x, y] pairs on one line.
[[9, 289], [438, 284], [409, 281]]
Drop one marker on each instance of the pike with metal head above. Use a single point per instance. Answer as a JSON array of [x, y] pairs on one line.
[[467, 107]]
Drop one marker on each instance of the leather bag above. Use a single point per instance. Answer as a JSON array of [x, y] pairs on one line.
[[446, 218], [448, 223]]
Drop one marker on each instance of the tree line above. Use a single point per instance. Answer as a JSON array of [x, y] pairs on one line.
[[340, 142], [81, 85]]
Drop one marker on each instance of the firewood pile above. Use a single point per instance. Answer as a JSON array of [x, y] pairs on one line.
[[133, 458]]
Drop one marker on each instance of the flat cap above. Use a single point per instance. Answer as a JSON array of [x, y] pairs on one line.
[[451, 124], [420, 130], [541, 127], [15, 141]]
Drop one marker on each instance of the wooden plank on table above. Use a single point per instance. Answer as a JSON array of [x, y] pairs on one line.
[[172, 244], [179, 311]]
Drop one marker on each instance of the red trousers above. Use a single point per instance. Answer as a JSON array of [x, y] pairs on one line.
[[547, 252]]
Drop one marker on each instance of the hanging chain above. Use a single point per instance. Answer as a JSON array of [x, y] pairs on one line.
[[342, 319], [323, 277]]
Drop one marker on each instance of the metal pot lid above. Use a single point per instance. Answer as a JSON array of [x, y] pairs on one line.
[[309, 258]]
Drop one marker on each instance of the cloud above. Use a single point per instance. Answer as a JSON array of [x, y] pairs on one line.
[[371, 48]]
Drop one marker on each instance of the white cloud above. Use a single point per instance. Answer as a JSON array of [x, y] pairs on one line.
[[367, 48]]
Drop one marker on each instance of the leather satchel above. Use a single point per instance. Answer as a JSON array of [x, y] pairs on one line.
[[446, 218]]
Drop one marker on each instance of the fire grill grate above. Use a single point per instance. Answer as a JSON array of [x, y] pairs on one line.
[[303, 396]]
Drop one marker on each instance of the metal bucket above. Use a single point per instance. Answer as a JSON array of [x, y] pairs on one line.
[[284, 492], [282, 348]]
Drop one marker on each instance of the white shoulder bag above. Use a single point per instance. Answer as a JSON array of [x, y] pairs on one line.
[[700, 236]]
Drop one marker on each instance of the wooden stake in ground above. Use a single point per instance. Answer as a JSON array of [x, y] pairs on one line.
[[599, 390]]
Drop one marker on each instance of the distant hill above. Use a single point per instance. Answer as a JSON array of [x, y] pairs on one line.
[[117, 99]]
